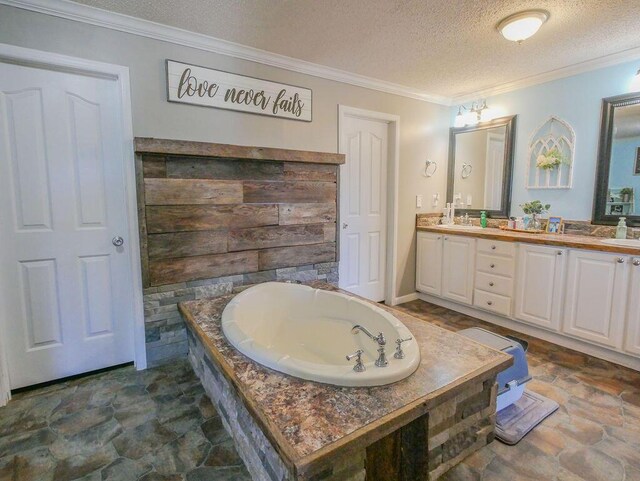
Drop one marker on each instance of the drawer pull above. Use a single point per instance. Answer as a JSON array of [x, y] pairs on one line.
[[492, 266], [490, 303], [491, 284]]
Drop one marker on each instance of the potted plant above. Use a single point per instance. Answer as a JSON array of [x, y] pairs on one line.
[[551, 160], [535, 208], [626, 193]]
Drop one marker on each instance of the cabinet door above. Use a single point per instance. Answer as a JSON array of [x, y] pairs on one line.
[[458, 263], [633, 312], [539, 286], [429, 263], [595, 303]]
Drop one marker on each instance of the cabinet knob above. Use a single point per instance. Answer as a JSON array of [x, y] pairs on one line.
[[559, 253], [620, 260], [492, 266], [490, 303], [493, 248], [445, 238], [491, 284], [636, 262]]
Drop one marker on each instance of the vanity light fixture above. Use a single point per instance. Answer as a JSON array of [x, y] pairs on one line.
[[478, 112], [522, 25]]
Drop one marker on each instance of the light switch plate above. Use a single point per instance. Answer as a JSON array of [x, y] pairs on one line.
[[418, 201]]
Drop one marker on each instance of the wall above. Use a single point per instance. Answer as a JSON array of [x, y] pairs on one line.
[[423, 126], [577, 100]]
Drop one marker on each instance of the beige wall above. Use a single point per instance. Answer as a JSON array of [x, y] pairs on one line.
[[423, 126]]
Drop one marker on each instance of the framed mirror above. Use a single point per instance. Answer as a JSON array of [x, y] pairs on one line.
[[618, 172], [480, 167]]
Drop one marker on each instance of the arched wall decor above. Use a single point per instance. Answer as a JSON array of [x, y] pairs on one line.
[[553, 136]]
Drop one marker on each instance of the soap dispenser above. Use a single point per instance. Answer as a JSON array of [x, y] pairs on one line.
[[621, 230]]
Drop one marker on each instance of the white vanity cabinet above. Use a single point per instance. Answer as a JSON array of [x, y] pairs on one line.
[[540, 285], [632, 336], [429, 263], [596, 297], [458, 261]]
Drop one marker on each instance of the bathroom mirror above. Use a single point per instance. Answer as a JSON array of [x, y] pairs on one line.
[[618, 173], [480, 165]]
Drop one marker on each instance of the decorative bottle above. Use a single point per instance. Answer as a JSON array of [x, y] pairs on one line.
[[621, 230], [483, 219]]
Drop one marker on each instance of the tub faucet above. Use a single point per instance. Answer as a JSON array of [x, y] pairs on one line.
[[380, 339]]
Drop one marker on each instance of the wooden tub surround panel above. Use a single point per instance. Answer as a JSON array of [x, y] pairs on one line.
[[211, 210], [216, 217]]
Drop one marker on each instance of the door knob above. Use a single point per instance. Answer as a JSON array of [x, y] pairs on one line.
[[345, 225], [117, 241]]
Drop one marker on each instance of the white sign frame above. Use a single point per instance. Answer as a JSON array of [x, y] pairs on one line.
[[195, 85]]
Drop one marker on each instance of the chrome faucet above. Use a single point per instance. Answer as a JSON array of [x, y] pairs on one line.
[[380, 339]]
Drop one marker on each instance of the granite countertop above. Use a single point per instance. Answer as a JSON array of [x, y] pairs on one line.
[[561, 240], [308, 421]]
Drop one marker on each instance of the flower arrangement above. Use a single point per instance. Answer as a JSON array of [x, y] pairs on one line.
[[551, 160], [535, 207]]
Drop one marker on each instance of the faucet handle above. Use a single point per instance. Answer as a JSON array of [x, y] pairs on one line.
[[399, 354], [359, 367]]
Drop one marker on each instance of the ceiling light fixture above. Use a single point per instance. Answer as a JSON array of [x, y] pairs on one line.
[[522, 25]]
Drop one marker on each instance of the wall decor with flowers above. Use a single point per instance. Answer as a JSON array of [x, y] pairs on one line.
[[551, 155]]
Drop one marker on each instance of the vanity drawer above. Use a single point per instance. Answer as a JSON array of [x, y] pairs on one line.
[[497, 247], [492, 302], [494, 284], [501, 266]]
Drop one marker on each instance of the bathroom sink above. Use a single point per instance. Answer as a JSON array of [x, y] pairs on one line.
[[460, 227], [623, 242]]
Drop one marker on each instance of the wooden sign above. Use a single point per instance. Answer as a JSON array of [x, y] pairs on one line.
[[191, 84]]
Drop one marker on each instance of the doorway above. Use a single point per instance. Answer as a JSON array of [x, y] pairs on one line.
[[69, 263], [368, 192]]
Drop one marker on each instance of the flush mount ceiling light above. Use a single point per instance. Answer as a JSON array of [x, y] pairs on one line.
[[522, 25]]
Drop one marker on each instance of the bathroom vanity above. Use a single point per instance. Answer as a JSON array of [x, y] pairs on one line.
[[580, 292], [287, 428]]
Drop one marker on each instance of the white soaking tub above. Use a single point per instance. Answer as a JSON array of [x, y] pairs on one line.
[[307, 333]]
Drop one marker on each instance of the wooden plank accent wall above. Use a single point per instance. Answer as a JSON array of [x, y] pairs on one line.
[[212, 210]]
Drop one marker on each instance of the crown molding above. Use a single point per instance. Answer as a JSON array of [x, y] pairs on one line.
[[578, 68], [124, 23]]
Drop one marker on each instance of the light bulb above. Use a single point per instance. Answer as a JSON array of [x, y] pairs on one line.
[[459, 121]]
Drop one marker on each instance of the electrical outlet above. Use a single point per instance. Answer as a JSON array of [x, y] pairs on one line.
[[418, 201], [435, 199]]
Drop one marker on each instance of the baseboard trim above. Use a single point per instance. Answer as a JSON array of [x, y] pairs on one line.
[[402, 299], [549, 336]]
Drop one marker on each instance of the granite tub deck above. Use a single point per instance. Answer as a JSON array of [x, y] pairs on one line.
[[291, 429], [561, 240]]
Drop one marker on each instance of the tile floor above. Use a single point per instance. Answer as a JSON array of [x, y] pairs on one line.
[[594, 435], [154, 425], [158, 425]]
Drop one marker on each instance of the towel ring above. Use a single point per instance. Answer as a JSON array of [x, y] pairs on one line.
[[466, 171], [427, 165]]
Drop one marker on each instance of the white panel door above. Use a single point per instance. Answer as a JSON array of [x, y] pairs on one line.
[[429, 263], [63, 195], [458, 264], [363, 207], [540, 284], [632, 338], [596, 295]]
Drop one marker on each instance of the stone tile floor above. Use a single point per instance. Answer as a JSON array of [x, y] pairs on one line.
[[594, 435], [154, 425], [158, 425]]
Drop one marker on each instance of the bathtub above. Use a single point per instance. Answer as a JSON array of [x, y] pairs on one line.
[[306, 332]]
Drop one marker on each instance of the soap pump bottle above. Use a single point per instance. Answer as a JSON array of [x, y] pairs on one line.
[[621, 230], [483, 219]]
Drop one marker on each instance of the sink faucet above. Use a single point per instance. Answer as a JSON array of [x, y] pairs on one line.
[[380, 339]]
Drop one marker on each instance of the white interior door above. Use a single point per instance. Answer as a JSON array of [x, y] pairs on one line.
[[494, 170], [363, 207], [62, 191]]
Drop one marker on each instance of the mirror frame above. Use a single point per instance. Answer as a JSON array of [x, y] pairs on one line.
[[609, 105], [510, 123]]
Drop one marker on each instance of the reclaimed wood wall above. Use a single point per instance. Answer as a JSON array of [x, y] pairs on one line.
[[205, 215]]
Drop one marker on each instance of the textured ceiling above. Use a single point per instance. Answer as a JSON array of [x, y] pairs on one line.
[[443, 47]]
